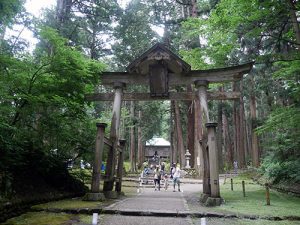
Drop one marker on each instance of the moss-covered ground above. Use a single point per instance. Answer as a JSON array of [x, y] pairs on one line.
[[255, 202], [44, 218], [224, 221]]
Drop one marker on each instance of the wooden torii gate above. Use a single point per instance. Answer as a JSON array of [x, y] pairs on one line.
[[160, 69]]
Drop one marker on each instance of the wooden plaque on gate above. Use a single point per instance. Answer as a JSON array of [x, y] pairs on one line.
[[158, 78]]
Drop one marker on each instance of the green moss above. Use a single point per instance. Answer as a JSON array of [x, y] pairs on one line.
[[224, 221], [40, 218], [254, 203], [69, 204], [86, 219]]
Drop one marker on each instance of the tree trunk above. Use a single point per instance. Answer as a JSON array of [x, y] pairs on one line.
[[63, 8], [238, 135], [243, 126], [219, 136], [140, 143], [173, 134], [93, 48], [190, 139], [254, 138], [235, 120], [194, 8], [180, 146], [132, 139], [293, 11], [227, 141]]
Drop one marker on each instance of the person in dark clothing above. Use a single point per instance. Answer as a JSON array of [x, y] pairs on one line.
[[172, 170], [157, 178], [162, 168]]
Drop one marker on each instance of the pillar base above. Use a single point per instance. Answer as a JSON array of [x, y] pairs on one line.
[[210, 201], [203, 197], [111, 194], [94, 197]]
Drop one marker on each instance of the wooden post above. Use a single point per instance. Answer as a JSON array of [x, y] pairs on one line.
[[120, 166], [267, 193], [114, 136], [98, 157], [244, 192], [202, 86], [205, 168], [213, 160], [231, 182]]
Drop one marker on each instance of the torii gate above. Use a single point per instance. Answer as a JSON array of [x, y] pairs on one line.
[[160, 69]]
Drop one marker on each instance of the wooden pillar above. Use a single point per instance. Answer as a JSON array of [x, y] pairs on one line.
[[98, 157], [205, 168], [114, 136], [115, 122], [213, 160], [120, 166], [202, 86]]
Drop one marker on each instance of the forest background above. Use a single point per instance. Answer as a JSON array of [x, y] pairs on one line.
[[45, 118]]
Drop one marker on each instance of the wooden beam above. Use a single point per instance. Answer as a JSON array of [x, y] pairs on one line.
[[108, 142], [172, 96], [212, 76]]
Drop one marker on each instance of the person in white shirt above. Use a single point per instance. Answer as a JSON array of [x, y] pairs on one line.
[[176, 178]]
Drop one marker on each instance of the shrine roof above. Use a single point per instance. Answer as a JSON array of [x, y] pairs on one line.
[[156, 141], [158, 52]]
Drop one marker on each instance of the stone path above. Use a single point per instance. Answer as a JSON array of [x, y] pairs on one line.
[[165, 204]]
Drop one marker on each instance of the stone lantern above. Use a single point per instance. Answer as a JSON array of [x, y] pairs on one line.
[[187, 158]]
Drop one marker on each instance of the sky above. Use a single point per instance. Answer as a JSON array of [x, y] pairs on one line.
[[35, 7]]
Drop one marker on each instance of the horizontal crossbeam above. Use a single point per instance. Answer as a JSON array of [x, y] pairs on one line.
[[172, 96], [233, 73], [108, 142]]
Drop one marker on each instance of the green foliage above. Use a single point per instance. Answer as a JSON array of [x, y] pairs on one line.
[[134, 34], [85, 175], [155, 111], [194, 57], [42, 103], [8, 10], [282, 161], [289, 71], [237, 31]]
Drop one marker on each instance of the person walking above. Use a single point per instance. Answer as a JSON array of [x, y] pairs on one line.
[[166, 184], [176, 178], [172, 170], [157, 178], [162, 168]]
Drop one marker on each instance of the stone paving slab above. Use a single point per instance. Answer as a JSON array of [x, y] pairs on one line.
[[150, 200], [140, 220]]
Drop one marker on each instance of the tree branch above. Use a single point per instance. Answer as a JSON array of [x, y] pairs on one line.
[[182, 3]]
